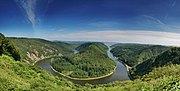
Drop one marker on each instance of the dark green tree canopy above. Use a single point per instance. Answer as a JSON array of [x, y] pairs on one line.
[[7, 48], [91, 61]]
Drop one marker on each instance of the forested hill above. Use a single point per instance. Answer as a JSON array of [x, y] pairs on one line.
[[171, 56], [164, 73], [91, 61], [98, 46], [134, 54], [32, 49]]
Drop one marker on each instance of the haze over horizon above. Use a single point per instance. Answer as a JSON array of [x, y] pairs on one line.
[[129, 21]]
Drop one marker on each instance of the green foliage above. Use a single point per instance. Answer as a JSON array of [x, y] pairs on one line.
[[32, 50], [156, 73], [171, 56], [98, 45], [172, 70], [7, 48], [91, 61], [134, 54], [17, 76], [169, 84], [21, 76], [166, 78]]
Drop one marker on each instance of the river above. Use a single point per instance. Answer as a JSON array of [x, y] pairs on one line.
[[120, 73]]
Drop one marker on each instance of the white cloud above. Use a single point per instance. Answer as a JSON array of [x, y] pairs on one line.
[[29, 7], [159, 24], [147, 37], [155, 20]]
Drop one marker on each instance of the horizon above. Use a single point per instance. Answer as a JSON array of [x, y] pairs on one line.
[[86, 41], [122, 21]]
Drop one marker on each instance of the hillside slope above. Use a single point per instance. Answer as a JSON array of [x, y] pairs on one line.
[[171, 56], [32, 50], [164, 75], [21, 76], [134, 54], [91, 61], [101, 46]]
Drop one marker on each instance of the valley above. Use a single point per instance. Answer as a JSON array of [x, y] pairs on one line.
[[91, 61], [120, 73], [89, 45], [154, 67]]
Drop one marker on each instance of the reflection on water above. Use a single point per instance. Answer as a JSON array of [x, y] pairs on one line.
[[120, 74]]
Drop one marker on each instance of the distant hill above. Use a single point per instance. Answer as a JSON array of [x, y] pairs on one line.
[[75, 43], [91, 61], [100, 46], [32, 49], [134, 54]]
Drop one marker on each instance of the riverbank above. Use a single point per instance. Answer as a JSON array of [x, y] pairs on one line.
[[120, 73], [85, 79], [128, 68], [45, 59], [79, 79]]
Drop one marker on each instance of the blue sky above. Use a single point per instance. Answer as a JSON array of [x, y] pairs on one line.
[[55, 19]]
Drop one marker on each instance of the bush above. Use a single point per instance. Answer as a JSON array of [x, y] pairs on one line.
[[7, 48]]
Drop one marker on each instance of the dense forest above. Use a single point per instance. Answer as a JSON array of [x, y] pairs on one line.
[[134, 54], [159, 73], [32, 49], [7, 48], [169, 57], [91, 61]]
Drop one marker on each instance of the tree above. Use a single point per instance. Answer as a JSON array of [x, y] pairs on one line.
[[7, 48]]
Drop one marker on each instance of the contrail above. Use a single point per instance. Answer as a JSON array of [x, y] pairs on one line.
[[158, 21], [174, 3], [30, 8]]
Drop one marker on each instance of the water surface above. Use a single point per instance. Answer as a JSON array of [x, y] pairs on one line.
[[120, 73]]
